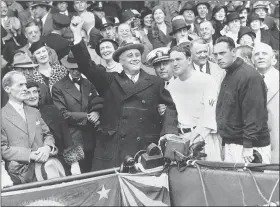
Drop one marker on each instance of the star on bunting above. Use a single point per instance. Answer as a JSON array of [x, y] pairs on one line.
[[103, 193]]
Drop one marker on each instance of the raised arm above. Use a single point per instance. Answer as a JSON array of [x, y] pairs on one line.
[[97, 75]]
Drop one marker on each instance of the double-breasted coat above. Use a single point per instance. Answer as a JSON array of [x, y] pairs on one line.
[[129, 121], [19, 138]]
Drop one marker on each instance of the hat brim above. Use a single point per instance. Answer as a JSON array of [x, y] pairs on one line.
[[250, 20], [160, 59], [233, 19], [103, 26], [205, 3], [97, 48], [65, 63], [25, 66], [252, 33], [120, 50], [185, 9], [173, 32], [38, 4]]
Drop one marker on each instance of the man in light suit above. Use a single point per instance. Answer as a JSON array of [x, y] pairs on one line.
[[262, 56], [80, 105], [42, 12], [200, 62], [25, 138]]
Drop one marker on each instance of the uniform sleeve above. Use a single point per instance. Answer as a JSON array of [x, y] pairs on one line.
[[207, 122], [72, 118]]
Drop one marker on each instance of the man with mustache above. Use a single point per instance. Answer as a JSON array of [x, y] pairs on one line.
[[129, 121], [241, 111], [200, 61], [263, 58]]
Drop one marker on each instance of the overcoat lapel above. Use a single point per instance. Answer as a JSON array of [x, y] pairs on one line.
[[85, 93], [129, 88], [13, 116]]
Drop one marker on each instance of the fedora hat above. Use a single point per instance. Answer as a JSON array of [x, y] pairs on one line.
[[188, 6], [144, 12], [243, 31], [49, 170], [126, 15], [158, 55], [124, 46], [107, 21], [232, 16], [41, 3], [204, 3], [69, 61], [240, 8], [276, 12], [97, 48], [178, 24], [22, 60], [253, 17]]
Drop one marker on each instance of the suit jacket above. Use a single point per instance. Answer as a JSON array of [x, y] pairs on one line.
[[267, 38], [74, 106], [129, 121], [19, 138], [215, 71], [48, 26], [24, 17], [272, 83], [275, 34], [58, 43]]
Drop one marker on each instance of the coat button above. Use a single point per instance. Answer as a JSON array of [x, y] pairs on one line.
[[143, 101], [138, 139]]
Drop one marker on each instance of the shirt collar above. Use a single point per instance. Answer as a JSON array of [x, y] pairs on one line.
[[130, 76], [197, 67], [65, 13], [16, 105], [236, 64], [89, 30], [72, 78]]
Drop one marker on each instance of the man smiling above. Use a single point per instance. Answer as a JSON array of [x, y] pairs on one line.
[[129, 121]]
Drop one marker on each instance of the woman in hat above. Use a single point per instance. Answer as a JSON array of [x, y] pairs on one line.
[[146, 19], [243, 12], [246, 37], [68, 153], [233, 25], [219, 19], [105, 49], [46, 72], [159, 33]]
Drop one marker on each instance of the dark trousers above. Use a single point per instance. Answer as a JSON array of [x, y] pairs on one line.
[[86, 163]]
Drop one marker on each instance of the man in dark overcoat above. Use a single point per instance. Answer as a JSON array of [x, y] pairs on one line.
[[129, 121]]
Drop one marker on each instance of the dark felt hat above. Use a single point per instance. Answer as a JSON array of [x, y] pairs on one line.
[[232, 16], [189, 5], [41, 3], [37, 45], [218, 8], [178, 24], [253, 17], [69, 61], [203, 3], [61, 20], [97, 48], [124, 46], [240, 8], [243, 31], [144, 12], [126, 15], [107, 21], [156, 8]]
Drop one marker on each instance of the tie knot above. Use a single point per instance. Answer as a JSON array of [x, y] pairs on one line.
[[77, 80]]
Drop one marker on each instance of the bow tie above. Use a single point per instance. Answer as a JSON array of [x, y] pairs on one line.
[[77, 80]]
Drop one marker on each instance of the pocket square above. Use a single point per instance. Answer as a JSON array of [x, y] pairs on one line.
[[37, 122]]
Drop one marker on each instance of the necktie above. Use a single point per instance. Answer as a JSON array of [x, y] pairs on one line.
[[77, 80], [166, 83], [200, 68], [133, 78], [21, 113]]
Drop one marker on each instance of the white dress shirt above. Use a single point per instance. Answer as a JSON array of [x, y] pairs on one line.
[[18, 108], [65, 13], [76, 84], [258, 37], [44, 18], [197, 68], [134, 78]]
